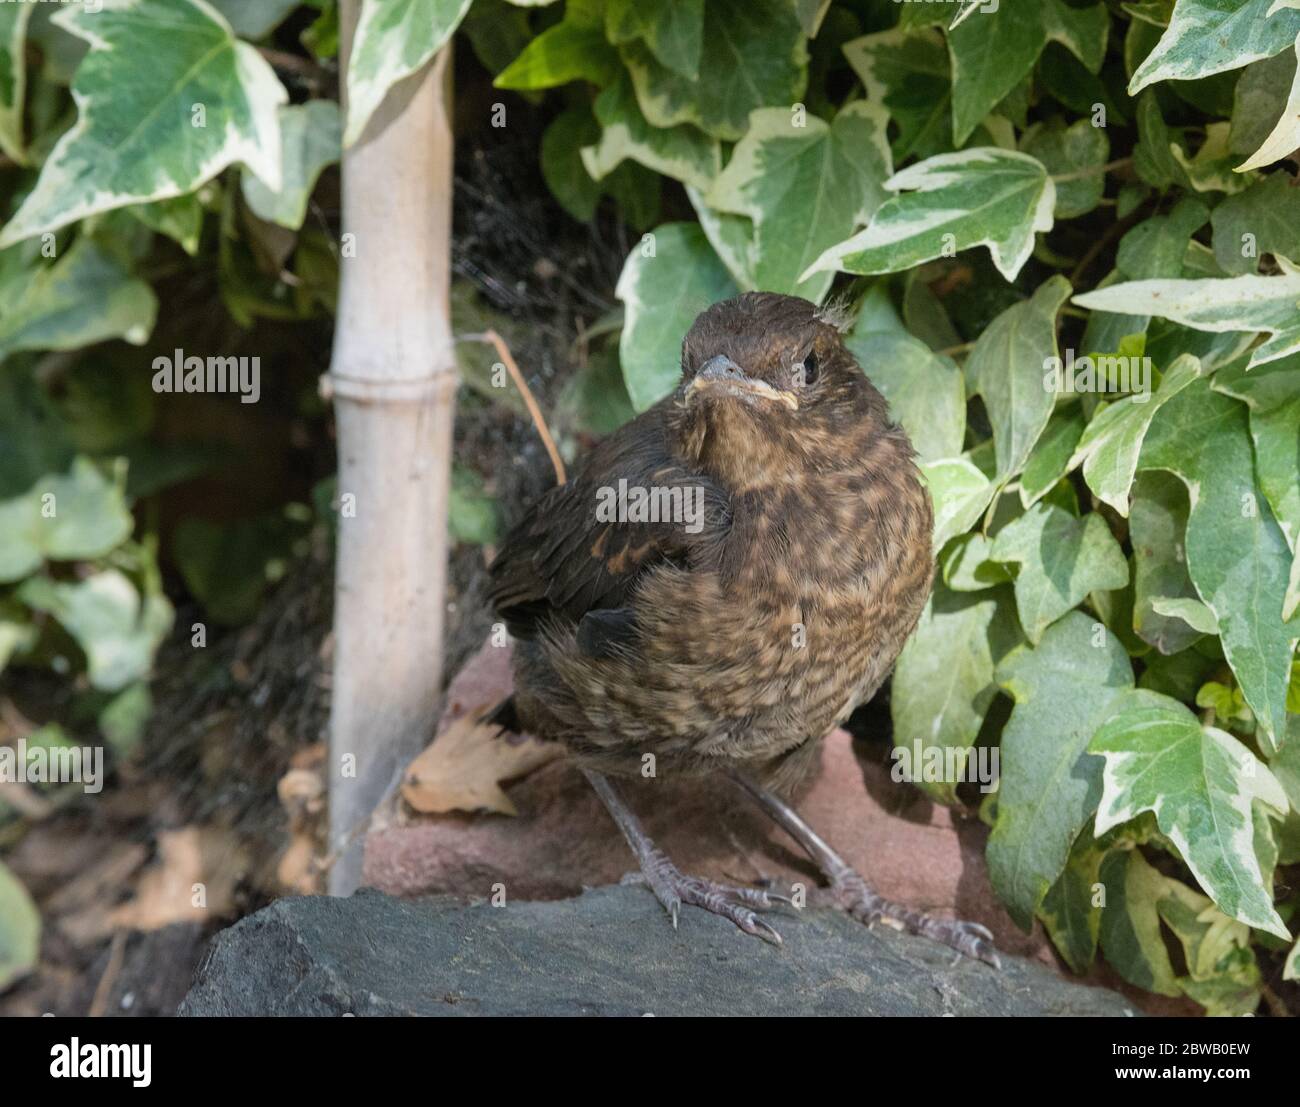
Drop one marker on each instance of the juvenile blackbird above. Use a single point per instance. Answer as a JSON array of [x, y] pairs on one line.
[[734, 627]]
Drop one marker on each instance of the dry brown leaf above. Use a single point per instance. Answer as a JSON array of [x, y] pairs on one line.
[[166, 893], [297, 870], [463, 768]]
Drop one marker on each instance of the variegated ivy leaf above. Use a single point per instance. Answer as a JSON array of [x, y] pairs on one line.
[[979, 197], [907, 72], [1063, 690], [1258, 98], [1109, 448], [1285, 137], [394, 38], [1200, 782], [1157, 529], [1078, 151], [573, 49], [1291, 970], [684, 153], [310, 136], [960, 494], [1130, 932], [1010, 367], [13, 77], [991, 55], [1265, 219], [672, 29], [806, 185], [1211, 169], [150, 132], [1071, 911], [1247, 303], [943, 683], [254, 19], [1061, 559], [1237, 556], [1050, 459], [86, 296], [732, 239], [667, 280], [757, 57], [1212, 36]]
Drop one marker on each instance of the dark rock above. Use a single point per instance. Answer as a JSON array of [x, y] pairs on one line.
[[610, 951]]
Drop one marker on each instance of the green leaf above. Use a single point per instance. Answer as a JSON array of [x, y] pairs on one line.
[[1157, 526], [990, 57], [960, 494], [1070, 911], [66, 517], [471, 512], [732, 239], [1258, 101], [1157, 246], [1248, 303], [672, 29], [118, 630], [562, 165], [180, 219], [1062, 558], [684, 153], [1211, 36], [574, 49], [138, 135], [1265, 219], [1199, 782], [667, 280], [20, 930], [805, 185], [1008, 368], [13, 79], [978, 197], [1237, 555], [1077, 151], [757, 58], [907, 72], [1111, 443], [1050, 459], [228, 566], [943, 683], [254, 19], [1050, 784], [1130, 924], [1211, 168], [925, 390], [86, 296], [310, 136], [394, 39]]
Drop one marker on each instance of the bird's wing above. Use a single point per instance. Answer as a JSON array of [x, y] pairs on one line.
[[568, 558]]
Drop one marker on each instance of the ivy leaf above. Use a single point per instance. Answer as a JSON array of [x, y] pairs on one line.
[[1199, 781], [806, 185], [672, 29], [310, 138], [574, 49], [1062, 558], [684, 153], [562, 166], [925, 390], [1050, 460], [180, 219], [393, 39], [20, 929], [13, 80], [1211, 168], [907, 72], [1263, 219], [943, 683], [959, 492], [117, 628], [254, 19], [1079, 150], [978, 197], [732, 239], [757, 58], [1248, 303], [1211, 36], [1111, 443], [138, 135], [1157, 526], [1130, 925], [1007, 368], [1237, 556], [1258, 100], [1050, 784], [1070, 912], [662, 293], [86, 296]]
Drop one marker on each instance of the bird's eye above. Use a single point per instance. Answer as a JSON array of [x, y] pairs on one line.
[[806, 372]]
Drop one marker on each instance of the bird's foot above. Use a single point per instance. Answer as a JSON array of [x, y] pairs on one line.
[[672, 888], [857, 898]]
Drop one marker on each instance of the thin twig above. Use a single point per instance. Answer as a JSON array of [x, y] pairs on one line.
[[503, 351], [116, 955]]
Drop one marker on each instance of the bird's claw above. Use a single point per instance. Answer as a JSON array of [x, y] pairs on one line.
[[969, 938], [673, 888]]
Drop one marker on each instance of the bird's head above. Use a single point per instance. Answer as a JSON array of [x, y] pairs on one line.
[[768, 388]]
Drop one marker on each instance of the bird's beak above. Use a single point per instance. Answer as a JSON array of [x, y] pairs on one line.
[[721, 374]]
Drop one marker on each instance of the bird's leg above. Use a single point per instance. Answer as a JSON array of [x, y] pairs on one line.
[[672, 887], [854, 894]]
